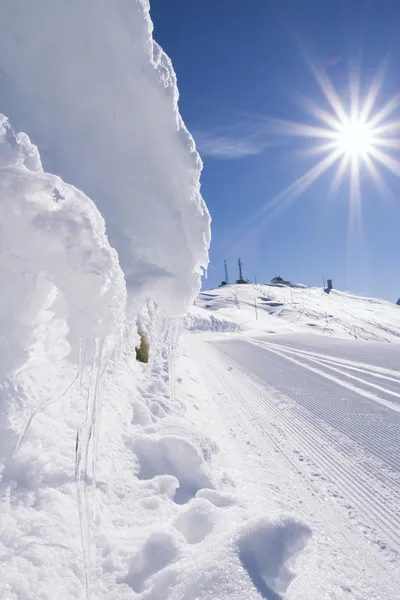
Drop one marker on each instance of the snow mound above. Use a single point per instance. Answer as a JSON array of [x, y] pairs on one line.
[[159, 550], [47, 214], [98, 96], [172, 455], [54, 257], [249, 563], [264, 549]]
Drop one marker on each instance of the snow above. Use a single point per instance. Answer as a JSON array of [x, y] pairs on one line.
[[297, 308], [199, 319], [256, 454], [98, 96], [307, 422]]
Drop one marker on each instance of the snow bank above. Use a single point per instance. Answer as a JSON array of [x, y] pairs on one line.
[[62, 311], [62, 288], [98, 96], [199, 319], [55, 254]]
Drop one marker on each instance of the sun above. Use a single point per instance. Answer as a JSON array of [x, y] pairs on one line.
[[351, 136], [356, 139]]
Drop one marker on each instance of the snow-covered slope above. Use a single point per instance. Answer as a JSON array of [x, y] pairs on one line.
[[304, 403], [297, 308]]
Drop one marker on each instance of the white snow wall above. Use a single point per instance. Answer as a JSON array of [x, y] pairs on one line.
[[98, 96]]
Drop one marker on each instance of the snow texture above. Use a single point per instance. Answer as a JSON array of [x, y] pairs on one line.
[[304, 404], [99, 98]]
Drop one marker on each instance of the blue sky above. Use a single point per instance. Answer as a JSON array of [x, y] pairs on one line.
[[242, 68]]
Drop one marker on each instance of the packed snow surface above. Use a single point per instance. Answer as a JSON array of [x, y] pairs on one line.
[[304, 402]]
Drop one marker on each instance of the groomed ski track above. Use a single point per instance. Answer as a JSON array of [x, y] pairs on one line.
[[331, 416]]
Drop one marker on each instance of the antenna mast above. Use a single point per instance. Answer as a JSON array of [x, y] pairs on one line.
[[226, 272], [240, 270]]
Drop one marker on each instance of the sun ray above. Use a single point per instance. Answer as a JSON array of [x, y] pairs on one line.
[[376, 177], [355, 192], [320, 149], [392, 164], [385, 112], [323, 115], [292, 128], [388, 128], [372, 95], [285, 198], [392, 143], [339, 174], [354, 88], [328, 90]]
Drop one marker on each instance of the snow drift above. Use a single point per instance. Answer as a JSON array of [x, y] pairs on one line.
[[62, 285], [99, 98]]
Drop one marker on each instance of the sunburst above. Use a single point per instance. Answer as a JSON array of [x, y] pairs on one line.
[[351, 141], [356, 140]]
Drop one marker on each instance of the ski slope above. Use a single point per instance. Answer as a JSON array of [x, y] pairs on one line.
[[311, 422]]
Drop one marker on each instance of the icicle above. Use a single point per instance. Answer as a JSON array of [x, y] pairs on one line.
[[84, 436], [41, 408], [98, 395], [80, 491], [156, 338], [175, 328], [117, 356]]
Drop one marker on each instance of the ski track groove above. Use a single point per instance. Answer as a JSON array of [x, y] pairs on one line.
[[349, 479], [336, 380], [362, 368], [344, 476], [372, 444], [376, 447]]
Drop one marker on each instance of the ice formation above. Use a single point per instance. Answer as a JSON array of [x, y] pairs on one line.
[[98, 96]]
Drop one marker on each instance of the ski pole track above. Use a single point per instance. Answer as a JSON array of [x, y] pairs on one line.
[[334, 367], [362, 392], [368, 369], [380, 357], [349, 482], [380, 424], [249, 421], [371, 503], [381, 465]]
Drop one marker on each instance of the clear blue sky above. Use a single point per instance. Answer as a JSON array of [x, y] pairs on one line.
[[240, 63]]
